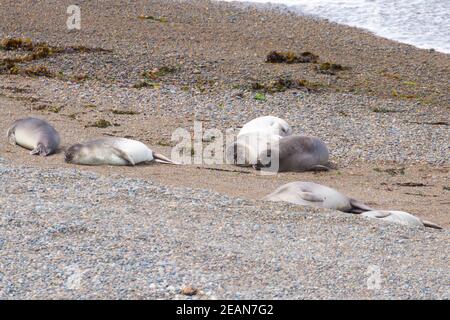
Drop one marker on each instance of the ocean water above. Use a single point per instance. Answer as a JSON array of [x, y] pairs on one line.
[[422, 23]]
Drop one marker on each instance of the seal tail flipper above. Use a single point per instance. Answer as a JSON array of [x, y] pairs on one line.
[[359, 207], [163, 159], [430, 224]]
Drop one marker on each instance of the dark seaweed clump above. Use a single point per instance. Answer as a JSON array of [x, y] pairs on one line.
[[102, 123], [36, 51], [153, 18], [16, 44], [157, 73], [290, 57], [124, 112], [285, 83], [329, 68]]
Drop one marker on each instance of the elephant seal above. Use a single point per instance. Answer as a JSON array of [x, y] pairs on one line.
[[297, 153], [316, 195], [113, 151], [400, 217], [267, 125], [34, 134], [249, 149]]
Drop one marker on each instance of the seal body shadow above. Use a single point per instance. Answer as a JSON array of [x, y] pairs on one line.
[[34, 134]]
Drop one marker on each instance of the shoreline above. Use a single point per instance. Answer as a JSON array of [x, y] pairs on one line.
[[291, 9]]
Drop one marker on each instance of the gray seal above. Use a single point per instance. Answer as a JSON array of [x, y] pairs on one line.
[[34, 134], [113, 151], [400, 217], [297, 153], [316, 195]]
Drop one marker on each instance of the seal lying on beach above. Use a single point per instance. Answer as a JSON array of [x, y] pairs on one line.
[[34, 134], [250, 148], [298, 153], [267, 125], [316, 195], [400, 217], [113, 151]]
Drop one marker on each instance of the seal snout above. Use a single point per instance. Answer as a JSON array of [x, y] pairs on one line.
[[70, 153]]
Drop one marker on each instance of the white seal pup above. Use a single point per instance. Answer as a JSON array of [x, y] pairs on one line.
[[400, 217], [297, 153], [316, 195], [113, 151], [267, 125], [34, 134]]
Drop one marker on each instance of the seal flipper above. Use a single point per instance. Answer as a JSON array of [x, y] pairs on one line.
[[124, 156], [358, 207], [11, 136], [39, 150], [430, 224], [162, 159], [309, 196]]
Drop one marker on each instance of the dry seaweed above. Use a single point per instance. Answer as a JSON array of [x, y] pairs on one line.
[[79, 77], [153, 18], [157, 73], [285, 83], [38, 51], [124, 112], [51, 108], [36, 71], [7, 67], [391, 171], [16, 44], [385, 110], [290, 57], [102, 123], [146, 84], [83, 49], [329, 68]]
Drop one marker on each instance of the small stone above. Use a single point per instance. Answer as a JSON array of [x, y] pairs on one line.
[[189, 291]]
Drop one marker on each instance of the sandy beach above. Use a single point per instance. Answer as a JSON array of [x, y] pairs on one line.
[[148, 68]]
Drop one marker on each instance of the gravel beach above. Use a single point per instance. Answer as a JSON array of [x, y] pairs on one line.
[[131, 238], [147, 231]]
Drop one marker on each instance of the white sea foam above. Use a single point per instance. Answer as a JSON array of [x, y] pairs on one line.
[[422, 23]]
